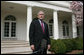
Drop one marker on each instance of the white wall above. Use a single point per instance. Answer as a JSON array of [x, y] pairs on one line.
[[2, 16], [21, 27], [66, 17], [20, 24]]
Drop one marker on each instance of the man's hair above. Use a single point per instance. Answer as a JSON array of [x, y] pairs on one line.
[[39, 12]]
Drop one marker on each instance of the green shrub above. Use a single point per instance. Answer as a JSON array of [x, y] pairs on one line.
[[58, 46], [79, 43], [66, 45], [52, 44], [79, 39], [74, 44], [69, 44]]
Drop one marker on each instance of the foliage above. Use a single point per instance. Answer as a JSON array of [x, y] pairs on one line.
[[66, 45], [77, 8]]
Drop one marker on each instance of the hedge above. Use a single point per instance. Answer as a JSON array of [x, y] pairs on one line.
[[79, 43], [52, 45], [66, 45], [57, 46], [69, 44], [60, 47]]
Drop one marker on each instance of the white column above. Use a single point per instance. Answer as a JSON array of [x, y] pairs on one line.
[[56, 29], [74, 29], [29, 19]]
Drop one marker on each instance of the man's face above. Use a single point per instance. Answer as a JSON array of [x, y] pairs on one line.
[[40, 15]]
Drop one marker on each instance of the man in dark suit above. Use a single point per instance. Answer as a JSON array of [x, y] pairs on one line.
[[39, 31]]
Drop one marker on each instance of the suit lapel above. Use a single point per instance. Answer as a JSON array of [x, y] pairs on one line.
[[40, 26], [44, 26]]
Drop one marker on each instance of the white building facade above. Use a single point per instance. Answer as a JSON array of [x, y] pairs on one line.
[[16, 17]]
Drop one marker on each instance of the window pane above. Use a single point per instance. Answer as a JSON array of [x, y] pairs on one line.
[[64, 31], [65, 28], [77, 30], [67, 31], [10, 17], [13, 29], [50, 28], [6, 29]]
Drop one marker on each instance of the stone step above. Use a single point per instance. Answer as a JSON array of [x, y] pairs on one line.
[[13, 46], [24, 52], [15, 50], [10, 45], [14, 41]]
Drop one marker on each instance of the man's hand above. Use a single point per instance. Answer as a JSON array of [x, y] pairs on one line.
[[32, 47], [48, 47]]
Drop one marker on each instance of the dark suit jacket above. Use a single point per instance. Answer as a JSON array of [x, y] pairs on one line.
[[36, 33]]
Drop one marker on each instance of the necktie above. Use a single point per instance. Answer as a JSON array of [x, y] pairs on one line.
[[42, 26]]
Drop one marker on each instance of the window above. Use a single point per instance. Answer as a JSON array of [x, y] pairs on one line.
[[65, 28], [78, 31], [6, 29], [10, 17], [51, 27], [10, 26], [13, 29]]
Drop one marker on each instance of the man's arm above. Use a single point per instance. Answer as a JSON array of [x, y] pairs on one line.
[[48, 38], [31, 33]]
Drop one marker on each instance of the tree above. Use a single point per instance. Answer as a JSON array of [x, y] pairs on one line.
[[77, 8]]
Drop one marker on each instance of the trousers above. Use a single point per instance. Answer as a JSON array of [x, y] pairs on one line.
[[40, 51]]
